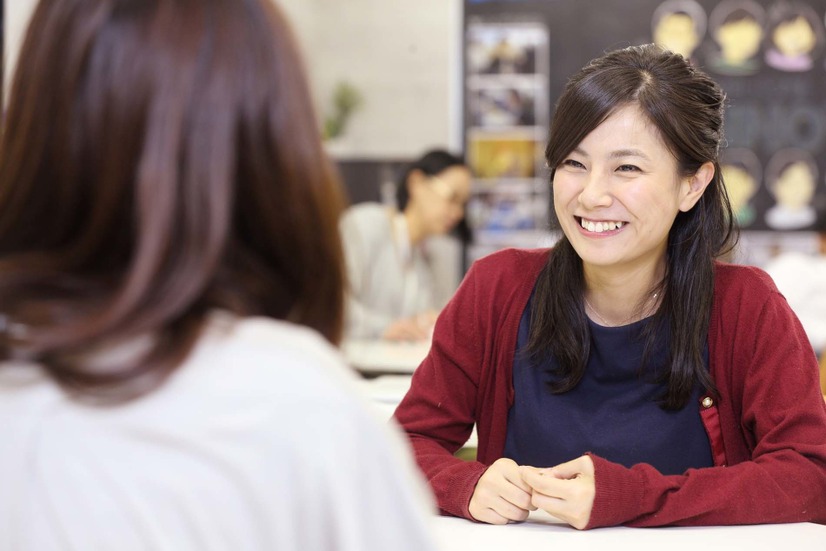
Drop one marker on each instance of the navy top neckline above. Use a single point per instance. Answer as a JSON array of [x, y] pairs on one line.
[[612, 412]]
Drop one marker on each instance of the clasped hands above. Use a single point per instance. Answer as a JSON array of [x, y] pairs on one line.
[[508, 492]]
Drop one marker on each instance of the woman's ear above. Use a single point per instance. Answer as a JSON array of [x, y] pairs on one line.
[[693, 187]]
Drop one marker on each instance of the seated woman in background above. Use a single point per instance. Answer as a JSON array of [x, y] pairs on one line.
[[625, 376], [168, 376], [392, 291]]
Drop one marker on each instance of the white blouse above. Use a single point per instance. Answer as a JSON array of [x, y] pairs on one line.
[[258, 441]]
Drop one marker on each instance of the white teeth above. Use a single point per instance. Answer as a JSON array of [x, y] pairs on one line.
[[599, 227]]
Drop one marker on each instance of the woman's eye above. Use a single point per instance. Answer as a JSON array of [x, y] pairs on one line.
[[628, 168], [572, 163]]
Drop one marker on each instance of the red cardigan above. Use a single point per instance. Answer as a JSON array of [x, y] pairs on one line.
[[767, 431]]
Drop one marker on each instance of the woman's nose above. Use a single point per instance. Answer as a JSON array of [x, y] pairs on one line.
[[595, 192]]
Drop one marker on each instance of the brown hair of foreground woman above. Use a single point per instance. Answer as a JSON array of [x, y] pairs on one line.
[[171, 286], [160, 160]]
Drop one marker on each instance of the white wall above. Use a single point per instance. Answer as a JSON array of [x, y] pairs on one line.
[[402, 55], [16, 15]]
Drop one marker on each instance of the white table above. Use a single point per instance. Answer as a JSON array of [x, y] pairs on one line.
[[380, 356], [386, 391], [541, 532]]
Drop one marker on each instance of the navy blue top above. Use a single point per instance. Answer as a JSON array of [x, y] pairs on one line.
[[612, 412]]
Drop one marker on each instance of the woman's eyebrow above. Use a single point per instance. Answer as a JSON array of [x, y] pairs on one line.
[[628, 153]]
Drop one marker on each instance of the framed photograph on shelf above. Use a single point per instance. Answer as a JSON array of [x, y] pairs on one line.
[[506, 107]]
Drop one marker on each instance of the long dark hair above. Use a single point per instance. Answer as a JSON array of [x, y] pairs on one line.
[[687, 108], [160, 159]]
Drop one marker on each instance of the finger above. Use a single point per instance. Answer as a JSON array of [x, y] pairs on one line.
[[563, 488], [518, 497], [507, 492], [489, 516], [571, 500], [526, 472], [554, 506], [514, 476], [482, 508], [518, 491], [540, 480], [508, 510], [495, 491], [571, 469], [575, 514]]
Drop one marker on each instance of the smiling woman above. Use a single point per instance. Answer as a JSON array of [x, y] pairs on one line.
[[614, 378]]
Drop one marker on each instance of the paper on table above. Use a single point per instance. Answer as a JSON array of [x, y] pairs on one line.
[[380, 356], [387, 388]]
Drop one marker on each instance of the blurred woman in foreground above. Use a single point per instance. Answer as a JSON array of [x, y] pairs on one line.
[[171, 285]]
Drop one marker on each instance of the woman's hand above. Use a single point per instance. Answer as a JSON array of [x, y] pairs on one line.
[[501, 496], [566, 491], [415, 328]]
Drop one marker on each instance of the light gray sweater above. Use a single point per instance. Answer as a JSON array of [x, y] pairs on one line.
[[388, 278]]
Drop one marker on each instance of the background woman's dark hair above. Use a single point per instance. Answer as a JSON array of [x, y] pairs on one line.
[[687, 108], [160, 159], [431, 163]]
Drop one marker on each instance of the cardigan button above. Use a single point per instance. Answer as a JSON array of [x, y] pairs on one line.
[[707, 402]]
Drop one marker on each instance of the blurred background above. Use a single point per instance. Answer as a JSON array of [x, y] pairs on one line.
[[392, 78]]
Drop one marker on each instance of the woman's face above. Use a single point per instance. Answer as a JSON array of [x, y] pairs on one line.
[[617, 194], [439, 200]]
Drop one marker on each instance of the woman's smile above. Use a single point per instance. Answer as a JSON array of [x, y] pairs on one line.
[[602, 227]]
